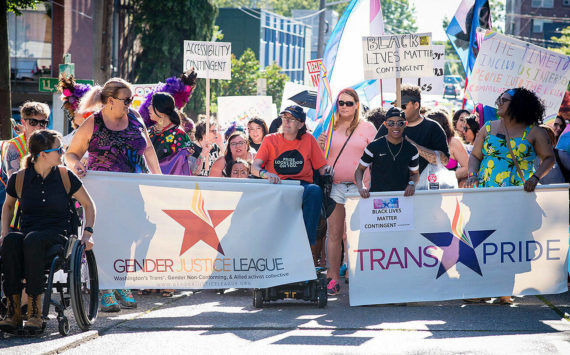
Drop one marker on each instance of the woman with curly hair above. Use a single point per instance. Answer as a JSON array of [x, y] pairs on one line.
[[491, 163]]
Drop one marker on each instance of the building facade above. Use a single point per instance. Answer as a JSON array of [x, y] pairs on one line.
[[273, 38], [311, 18], [537, 21]]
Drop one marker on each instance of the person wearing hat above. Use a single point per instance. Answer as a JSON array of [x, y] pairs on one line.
[[393, 161], [426, 134], [292, 154]]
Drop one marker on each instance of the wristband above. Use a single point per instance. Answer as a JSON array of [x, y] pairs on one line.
[[536, 177], [473, 174], [262, 173], [88, 229]]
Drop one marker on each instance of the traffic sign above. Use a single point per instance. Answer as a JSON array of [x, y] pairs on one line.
[[50, 84]]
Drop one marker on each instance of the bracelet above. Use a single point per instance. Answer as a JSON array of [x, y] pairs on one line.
[[473, 174], [262, 173], [536, 177]]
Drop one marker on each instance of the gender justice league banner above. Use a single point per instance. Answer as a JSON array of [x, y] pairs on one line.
[[473, 243], [162, 231]]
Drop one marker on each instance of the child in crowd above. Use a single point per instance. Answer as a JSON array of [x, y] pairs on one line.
[[393, 161], [240, 168]]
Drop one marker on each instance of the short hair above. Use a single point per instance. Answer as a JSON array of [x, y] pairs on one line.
[[377, 116], [201, 127], [525, 107], [34, 108], [413, 91], [238, 161]]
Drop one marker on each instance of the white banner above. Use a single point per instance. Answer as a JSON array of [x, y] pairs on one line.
[[398, 56], [431, 85], [464, 243], [179, 232], [241, 108], [211, 60], [504, 63]]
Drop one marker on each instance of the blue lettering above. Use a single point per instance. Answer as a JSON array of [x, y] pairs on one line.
[[548, 249], [528, 257], [508, 253], [485, 253]]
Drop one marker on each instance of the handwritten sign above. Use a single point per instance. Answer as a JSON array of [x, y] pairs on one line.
[[139, 93], [398, 56], [504, 63], [211, 60], [386, 214], [431, 85], [314, 70], [241, 108]]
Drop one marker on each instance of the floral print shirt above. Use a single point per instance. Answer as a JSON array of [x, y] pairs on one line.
[[169, 141]]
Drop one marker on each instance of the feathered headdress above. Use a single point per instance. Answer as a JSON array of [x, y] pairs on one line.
[[71, 92], [180, 88]]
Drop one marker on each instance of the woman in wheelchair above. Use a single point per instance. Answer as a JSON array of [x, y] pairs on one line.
[[45, 217]]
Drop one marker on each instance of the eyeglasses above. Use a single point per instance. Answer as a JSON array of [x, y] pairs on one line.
[[237, 144], [33, 122], [347, 103], [289, 119], [396, 123], [127, 101], [59, 150], [501, 100]]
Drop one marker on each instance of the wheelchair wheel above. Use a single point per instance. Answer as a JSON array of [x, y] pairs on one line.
[[83, 286], [257, 298]]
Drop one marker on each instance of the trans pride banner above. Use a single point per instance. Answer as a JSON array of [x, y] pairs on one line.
[[163, 232], [460, 244]]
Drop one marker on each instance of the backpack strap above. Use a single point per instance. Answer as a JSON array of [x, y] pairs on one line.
[[20, 182], [65, 178]]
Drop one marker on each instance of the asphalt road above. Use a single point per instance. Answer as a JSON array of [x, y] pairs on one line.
[[207, 322]]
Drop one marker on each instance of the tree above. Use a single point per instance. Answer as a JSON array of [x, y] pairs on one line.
[[563, 40], [275, 82], [161, 27], [5, 95], [497, 14], [399, 16]]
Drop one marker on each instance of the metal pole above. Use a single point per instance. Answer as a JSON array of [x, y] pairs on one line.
[[321, 40]]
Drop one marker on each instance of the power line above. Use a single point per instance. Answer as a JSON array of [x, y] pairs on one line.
[[538, 17]]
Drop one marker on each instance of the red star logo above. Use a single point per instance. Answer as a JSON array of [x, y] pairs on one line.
[[199, 224]]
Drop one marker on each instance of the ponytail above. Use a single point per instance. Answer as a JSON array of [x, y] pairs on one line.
[[92, 101]]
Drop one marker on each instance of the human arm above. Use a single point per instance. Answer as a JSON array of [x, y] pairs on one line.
[[7, 214], [257, 170], [475, 158], [11, 159], [460, 154], [358, 177], [216, 170], [429, 154], [78, 147], [322, 140], [543, 148], [83, 197], [411, 189]]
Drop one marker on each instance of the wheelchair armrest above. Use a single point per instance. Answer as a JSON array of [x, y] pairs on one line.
[[69, 245]]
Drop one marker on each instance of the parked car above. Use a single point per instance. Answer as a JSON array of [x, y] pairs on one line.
[[451, 90]]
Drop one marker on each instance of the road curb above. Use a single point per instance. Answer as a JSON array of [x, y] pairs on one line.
[[81, 338]]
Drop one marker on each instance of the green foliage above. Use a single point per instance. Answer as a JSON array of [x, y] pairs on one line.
[[399, 16], [497, 14], [284, 7], [162, 27], [15, 5], [275, 82], [564, 41]]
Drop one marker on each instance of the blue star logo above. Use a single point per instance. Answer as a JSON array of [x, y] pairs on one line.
[[456, 246]]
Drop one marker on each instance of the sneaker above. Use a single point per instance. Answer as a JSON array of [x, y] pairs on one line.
[[342, 270], [109, 302], [333, 288], [125, 297]]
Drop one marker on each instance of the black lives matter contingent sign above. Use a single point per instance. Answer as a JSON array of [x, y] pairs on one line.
[[398, 56], [212, 60]]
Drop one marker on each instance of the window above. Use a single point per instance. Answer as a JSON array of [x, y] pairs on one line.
[[549, 4], [537, 26], [566, 2], [29, 40]]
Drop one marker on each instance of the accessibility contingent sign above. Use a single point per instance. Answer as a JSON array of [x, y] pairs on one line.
[[457, 248], [398, 56], [193, 232], [504, 62], [211, 60]]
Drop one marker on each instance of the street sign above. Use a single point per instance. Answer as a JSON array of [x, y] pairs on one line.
[[50, 84]]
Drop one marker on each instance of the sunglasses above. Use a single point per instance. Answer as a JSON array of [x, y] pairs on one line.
[[126, 101], [33, 122], [501, 100], [59, 150], [396, 123], [347, 103]]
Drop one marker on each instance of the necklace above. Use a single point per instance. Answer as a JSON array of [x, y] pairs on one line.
[[390, 150], [158, 130]]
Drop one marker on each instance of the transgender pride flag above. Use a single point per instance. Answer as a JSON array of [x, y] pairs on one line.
[[342, 58]]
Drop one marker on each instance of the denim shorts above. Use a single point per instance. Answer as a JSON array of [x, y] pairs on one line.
[[340, 190]]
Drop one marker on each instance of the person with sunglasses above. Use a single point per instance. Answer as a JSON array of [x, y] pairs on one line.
[[116, 139], [351, 134], [426, 134], [393, 161], [45, 221]]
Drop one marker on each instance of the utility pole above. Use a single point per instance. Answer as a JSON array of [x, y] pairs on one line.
[[320, 43], [5, 91]]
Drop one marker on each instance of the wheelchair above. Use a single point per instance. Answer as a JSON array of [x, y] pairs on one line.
[[80, 290]]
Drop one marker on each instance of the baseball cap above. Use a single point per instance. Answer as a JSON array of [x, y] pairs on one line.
[[395, 112], [295, 111]]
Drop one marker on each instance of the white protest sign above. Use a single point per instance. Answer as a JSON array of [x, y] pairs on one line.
[[460, 248], [139, 93], [431, 85], [504, 63], [314, 70], [212, 60], [397, 56], [195, 232], [386, 214], [241, 108]]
